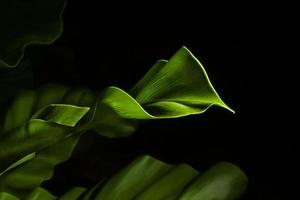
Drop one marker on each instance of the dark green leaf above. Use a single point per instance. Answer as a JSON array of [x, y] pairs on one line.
[[46, 133], [223, 181], [21, 180], [27, 22], [135, 178], [40, 193], [147, 178], [170, 185], [74, 193], [6, 196], [44, 124], [33, 137]]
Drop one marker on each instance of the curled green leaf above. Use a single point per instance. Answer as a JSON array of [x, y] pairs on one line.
[[171, 89]]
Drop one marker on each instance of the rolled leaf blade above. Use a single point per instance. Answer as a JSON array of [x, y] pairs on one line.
[[182, 79], [171, 89]]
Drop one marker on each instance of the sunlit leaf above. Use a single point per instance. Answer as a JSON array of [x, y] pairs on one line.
[[171, 89]]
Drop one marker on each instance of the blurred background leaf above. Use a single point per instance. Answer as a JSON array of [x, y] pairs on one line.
[[27, 22], [147, 178]]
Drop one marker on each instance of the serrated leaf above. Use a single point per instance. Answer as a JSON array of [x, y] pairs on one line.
[[27, 22]]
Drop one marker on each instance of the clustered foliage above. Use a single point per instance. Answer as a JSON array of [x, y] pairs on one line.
[[41, 127]]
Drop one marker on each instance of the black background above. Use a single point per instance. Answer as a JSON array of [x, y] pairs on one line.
[[247, 54]]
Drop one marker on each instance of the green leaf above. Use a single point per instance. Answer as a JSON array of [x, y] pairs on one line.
[[74, 193], [6, 196], [33, 137], [48, 123], [133, 179], [171, 89], [223, 181], [19, 112], [21, 180], [27, 22], [40, 193], [169, 185], [182, 80], [107, 122], [51, 103], [67, 115], [32, 126], [48, 126], [19, 162], [147, 178]]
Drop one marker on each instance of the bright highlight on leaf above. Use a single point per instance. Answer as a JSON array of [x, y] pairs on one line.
[[67, 115]]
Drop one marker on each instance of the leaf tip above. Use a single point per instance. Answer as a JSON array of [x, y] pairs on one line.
[[223, 105]]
